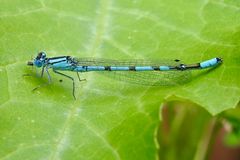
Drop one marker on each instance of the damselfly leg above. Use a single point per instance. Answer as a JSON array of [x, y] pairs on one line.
[[73, 90], [44, 84], [42, 71], [80, 78]]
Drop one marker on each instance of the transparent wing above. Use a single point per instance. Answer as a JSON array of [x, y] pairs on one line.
[[152, 78]]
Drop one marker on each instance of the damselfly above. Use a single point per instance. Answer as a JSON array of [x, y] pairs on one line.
[[139, 71]]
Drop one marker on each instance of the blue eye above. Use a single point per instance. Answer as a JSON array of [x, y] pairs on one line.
[[38, 63]]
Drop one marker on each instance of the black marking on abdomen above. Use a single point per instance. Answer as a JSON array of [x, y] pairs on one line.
[[107, 68], [156, 68], [132, 68], [85, 67]]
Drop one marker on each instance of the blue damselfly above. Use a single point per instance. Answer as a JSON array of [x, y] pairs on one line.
[[139, 71]]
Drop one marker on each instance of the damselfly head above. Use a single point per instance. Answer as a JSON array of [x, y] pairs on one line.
[[39, 60]]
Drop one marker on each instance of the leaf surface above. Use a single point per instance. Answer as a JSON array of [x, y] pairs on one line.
[[109, 119]]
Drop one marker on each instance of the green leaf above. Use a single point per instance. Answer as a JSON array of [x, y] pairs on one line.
[[109, 119]]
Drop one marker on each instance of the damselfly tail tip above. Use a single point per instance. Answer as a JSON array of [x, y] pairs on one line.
[[30, 63], [219, 60]]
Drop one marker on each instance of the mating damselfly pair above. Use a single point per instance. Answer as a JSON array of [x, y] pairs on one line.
[[136, 71]]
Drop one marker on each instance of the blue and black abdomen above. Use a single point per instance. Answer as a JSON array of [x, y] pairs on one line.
[[84, 65], [121, 68]]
